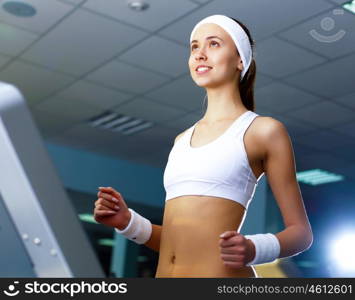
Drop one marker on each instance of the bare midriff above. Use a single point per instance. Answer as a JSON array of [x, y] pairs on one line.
[[189, 243]]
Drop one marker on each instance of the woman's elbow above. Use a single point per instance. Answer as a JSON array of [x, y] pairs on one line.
[[308, 239]]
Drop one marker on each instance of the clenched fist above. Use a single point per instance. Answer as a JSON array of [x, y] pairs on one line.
[[111, 209], [236, 250]]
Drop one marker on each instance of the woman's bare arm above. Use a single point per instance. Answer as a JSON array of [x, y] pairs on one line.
[[154, 240], [279, 165]]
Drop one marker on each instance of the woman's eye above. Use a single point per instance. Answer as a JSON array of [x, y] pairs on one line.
[[193, 47]]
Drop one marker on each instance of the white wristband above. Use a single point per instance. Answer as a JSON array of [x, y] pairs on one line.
[[138, 229], [267, 248]]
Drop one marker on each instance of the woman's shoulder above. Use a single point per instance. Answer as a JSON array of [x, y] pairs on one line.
[[266, 129], [267, 122], [265, 125]]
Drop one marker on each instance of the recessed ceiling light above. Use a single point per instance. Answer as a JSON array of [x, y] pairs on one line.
[[138, 5], [142, 258], [118, 122], [138, 128], [307, 264], [318, 176], [106, 242], [19, 9], [350, 6], [89, 218]]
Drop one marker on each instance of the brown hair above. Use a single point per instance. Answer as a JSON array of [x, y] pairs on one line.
[[246, 86]]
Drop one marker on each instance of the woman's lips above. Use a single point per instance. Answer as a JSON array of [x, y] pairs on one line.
[[204, 71]]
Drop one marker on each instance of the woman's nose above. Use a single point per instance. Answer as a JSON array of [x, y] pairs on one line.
[[200, 54]]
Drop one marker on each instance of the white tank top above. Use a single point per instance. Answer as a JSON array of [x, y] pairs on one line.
[[219, 168]]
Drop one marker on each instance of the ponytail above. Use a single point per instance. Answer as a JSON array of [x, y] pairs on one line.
[[246, 86]]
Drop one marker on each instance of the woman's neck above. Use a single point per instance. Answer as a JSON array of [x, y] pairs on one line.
[[223, 103]]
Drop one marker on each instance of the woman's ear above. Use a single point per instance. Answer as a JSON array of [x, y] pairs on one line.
[[240, 66]]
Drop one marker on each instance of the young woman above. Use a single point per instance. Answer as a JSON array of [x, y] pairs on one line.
[[213, 170]]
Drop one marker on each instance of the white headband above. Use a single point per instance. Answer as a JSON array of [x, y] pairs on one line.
[[236, 32]]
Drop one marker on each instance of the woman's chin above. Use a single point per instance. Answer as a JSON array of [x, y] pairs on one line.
[[203, 83]]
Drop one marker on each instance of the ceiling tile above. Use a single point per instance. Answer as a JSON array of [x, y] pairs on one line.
[[150, 155], [50, 124], [280, 98], [34, 82], [75, 2], [83, 135], [145, 149], [182, 93], [261, 79], [323, 114], [14, 40], [330, 34], [186, 121], [301, 150], [295, 128], [180, 30], [92, 41], [160, 55], [156, 136], [126, 78], [4, 59], [332, 79], [320, 160], [263, 18], [346, 129], [151, 146], [279, 58], [264, 111], [346, 151], [94, 95], [46, 15], [68, 106], [323, 139], [339, 1], [348, 171], [347, 100], [149, 110], [159, 13], [201, 1], [143, 153]]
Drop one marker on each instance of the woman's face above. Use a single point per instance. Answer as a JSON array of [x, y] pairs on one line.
[[213, 47]]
